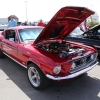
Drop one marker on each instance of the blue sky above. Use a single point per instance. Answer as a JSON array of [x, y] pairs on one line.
[[41, 9]]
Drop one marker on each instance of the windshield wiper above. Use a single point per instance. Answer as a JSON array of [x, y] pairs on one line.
[[28, 39]]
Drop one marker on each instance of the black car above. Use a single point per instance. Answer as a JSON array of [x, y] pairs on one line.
[[90, 37]]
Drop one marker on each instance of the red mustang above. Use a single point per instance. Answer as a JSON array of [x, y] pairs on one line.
[[45, 52]]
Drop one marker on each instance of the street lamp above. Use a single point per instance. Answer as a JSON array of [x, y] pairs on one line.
[[91, 15], [26, 12]]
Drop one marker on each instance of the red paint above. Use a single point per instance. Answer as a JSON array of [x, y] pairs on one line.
[[70, 18]]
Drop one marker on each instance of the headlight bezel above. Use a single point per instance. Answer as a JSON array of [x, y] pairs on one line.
[[57, 69]]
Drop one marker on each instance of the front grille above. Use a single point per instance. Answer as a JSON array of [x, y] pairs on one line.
[[83, 62]]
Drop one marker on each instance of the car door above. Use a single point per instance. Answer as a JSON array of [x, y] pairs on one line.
[[10, 43]]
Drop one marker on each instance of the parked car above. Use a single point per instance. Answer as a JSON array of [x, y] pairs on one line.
[[2, 27], [45, 53], [76, 33], [90, 37]]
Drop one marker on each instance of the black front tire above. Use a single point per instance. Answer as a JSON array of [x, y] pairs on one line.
[[36, 77]]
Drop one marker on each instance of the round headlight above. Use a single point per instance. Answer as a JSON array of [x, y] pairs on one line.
[[73, 66], [57, 69]]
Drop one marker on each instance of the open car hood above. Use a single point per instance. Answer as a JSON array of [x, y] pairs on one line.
[[63, 23]]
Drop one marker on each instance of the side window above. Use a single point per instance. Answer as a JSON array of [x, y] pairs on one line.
[[10, 35]]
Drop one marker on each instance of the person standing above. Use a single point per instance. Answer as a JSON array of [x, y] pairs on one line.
[[86, 25], [41, 23], [25, 24], [12, 22], [30, 24]]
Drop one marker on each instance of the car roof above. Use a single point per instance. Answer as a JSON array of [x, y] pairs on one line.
[[24, 27]]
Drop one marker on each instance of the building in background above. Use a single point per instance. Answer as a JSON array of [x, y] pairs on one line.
[[4, 21], [94, 17]]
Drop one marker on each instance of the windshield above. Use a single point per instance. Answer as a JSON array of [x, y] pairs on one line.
[[29, 34]]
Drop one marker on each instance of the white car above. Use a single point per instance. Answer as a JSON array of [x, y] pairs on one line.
[[76, 32]]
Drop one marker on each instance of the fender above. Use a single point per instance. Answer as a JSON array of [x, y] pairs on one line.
[[35, 62], [41, 65]]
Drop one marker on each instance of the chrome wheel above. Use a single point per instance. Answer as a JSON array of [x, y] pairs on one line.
[[34, 76]]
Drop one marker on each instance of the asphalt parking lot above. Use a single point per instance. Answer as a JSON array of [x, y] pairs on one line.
[[14, 85]]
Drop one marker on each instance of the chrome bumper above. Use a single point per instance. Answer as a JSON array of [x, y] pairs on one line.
[[71, 75]]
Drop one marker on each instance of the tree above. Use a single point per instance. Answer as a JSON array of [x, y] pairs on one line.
[[92, 23]]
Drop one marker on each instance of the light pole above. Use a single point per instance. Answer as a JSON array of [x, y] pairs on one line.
[[26, 12], [91, 15]]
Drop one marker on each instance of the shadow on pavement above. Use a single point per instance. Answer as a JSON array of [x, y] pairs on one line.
[[83, 88]]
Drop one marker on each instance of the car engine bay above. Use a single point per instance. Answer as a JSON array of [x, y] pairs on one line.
[[62, 49]]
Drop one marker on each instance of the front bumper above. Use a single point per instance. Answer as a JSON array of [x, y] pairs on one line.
[[71, 75]]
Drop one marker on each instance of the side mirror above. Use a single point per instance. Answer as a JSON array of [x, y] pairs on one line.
[[2, 33]]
